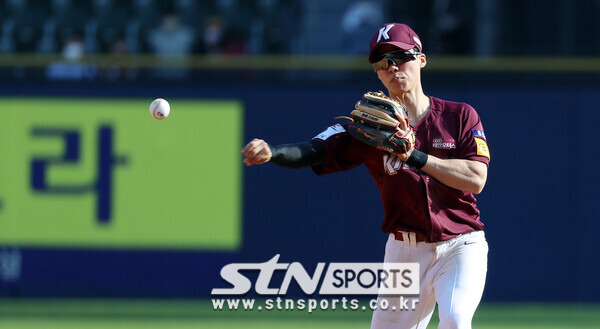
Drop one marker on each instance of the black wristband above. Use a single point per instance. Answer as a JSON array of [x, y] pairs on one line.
[[417, 159]]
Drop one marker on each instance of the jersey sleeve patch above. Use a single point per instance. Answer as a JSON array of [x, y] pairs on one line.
[[330, 131], [479, 134], [482, 148]]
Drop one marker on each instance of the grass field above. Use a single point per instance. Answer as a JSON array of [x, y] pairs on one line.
[[178, 314]]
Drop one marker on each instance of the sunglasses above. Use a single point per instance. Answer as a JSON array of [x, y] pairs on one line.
[[395, 58]]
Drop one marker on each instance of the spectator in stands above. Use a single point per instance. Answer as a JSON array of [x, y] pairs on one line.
[[358, 23], [171, 37], [73, 50], [213, 36], [173, 43], [71, 66]]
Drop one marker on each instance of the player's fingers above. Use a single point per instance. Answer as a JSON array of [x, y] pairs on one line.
[[250, 159], [257, 154], [253, 144], [263, 156], [252, 151], [404, 125], [404, 156], [249, 145], [247, 150]]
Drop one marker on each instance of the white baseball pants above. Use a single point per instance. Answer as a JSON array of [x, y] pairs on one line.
[[452, 273]]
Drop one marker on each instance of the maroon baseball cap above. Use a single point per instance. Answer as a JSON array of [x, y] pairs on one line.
[[394, 34]]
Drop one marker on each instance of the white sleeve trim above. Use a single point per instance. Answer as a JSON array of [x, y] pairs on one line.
[[330, 131]]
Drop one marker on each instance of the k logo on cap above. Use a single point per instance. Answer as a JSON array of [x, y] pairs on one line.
[[383, 32], [398, 35]]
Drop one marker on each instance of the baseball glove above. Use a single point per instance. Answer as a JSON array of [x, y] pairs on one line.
[[382, 122]]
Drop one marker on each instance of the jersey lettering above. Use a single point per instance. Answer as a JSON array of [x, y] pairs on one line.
[[439, 143], [391, 164]]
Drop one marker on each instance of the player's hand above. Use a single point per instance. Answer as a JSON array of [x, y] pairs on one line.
[[404, 156], [403, 129], [256, 152]]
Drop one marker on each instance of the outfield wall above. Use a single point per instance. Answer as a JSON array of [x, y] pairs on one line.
[[162, 239]]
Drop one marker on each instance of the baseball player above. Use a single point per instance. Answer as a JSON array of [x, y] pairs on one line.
[[427, 188]]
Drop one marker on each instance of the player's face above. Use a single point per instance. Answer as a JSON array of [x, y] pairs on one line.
[[395, 58], [400, 71]]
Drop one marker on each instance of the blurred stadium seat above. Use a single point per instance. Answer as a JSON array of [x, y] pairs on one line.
[[145, 16], [66, 20], [194, 13], [302, 27], [23, 25], [106, 26]]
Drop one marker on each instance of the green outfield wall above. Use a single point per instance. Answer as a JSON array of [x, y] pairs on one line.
[[103, 173]]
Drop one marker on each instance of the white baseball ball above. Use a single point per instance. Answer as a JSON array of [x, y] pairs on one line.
[[160, 109]]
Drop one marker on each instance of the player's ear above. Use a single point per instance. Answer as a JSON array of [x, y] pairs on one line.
[[422, 60]]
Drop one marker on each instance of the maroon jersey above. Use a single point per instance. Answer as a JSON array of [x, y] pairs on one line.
[[412, 200]]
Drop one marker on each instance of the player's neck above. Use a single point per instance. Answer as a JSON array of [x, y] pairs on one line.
[[424, 109], [417, 105]]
